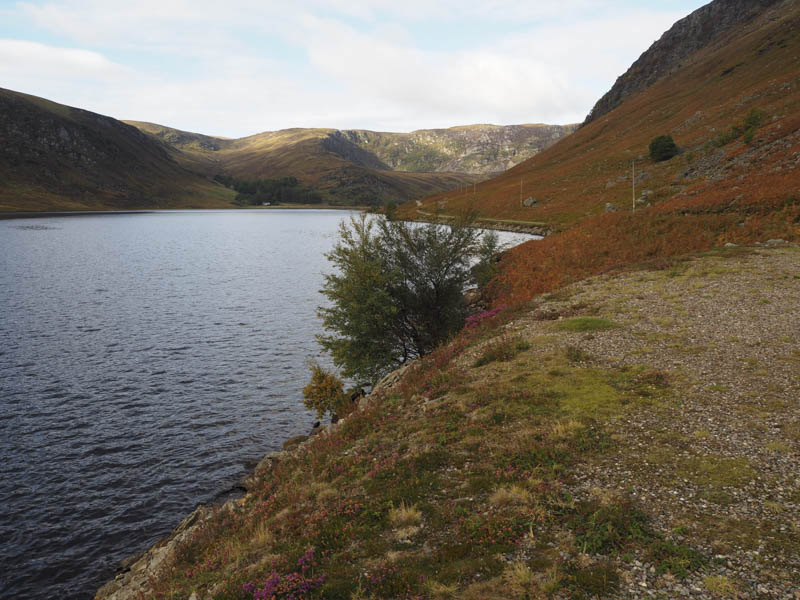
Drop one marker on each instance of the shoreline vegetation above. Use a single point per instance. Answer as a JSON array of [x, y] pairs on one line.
[[630, 434], [539, 228]]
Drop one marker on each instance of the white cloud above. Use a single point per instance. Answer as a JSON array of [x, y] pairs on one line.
[[253, 65], [35, 59]]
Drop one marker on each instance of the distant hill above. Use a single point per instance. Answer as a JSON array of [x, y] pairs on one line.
[[54, 157], [360, 166], [475, 149], [733, 108]]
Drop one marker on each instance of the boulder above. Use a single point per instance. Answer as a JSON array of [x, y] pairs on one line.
[[294, 442], [390, 380]]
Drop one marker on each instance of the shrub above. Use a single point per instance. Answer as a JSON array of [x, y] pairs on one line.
[[324, 393], [576, 355], [486, 268], [663, 148], [747, 129]]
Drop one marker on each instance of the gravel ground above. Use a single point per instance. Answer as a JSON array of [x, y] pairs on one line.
[[718, 466]]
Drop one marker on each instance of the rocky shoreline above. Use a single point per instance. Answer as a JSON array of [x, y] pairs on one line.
[[134, 573]]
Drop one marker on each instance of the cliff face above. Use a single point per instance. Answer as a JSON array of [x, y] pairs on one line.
[[704, 27], [340, 144], [475, 149]]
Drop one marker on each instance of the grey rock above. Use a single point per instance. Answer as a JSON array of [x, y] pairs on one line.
[[390, 380]]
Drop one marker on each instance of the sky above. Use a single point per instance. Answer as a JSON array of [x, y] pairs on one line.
[[237, 67]]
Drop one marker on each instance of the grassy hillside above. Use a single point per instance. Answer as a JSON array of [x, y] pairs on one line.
[[721, 188], [616, 440], [55, 157], [342, 171], [359, 166]]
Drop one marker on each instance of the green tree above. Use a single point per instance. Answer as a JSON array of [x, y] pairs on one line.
[[397, 292], [663, 148], [486, 267], [390, 210]]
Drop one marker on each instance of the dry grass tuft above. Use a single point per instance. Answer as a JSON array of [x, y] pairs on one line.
[[510, 496], [440, 591], [566, 430], [262, 536], [520, 579], [405, 516], [406, 533], [720, 586]]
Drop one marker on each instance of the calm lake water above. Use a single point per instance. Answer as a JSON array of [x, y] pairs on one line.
[[146, 362]]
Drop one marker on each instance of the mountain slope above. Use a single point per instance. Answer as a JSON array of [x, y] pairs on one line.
[[476, 149], [731, 183], [362, 166], [54, 157], [703, 28], [342, 171]]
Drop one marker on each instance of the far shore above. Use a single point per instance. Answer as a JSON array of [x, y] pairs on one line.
[[81, 213]]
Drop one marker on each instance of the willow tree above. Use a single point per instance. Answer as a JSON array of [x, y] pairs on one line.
[[397, 292]]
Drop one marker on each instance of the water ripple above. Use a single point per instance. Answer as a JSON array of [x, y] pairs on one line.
[[147, 361]]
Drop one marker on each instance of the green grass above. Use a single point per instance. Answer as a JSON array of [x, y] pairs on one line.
[[501, 349], [586, 324]]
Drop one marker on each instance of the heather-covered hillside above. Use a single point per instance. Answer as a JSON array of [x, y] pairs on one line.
[[733, 111]]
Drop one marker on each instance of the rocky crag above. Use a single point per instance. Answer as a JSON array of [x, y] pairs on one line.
[[475, 149], [705, 27]]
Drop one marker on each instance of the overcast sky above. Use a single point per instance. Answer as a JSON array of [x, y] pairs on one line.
[[238, 67]]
